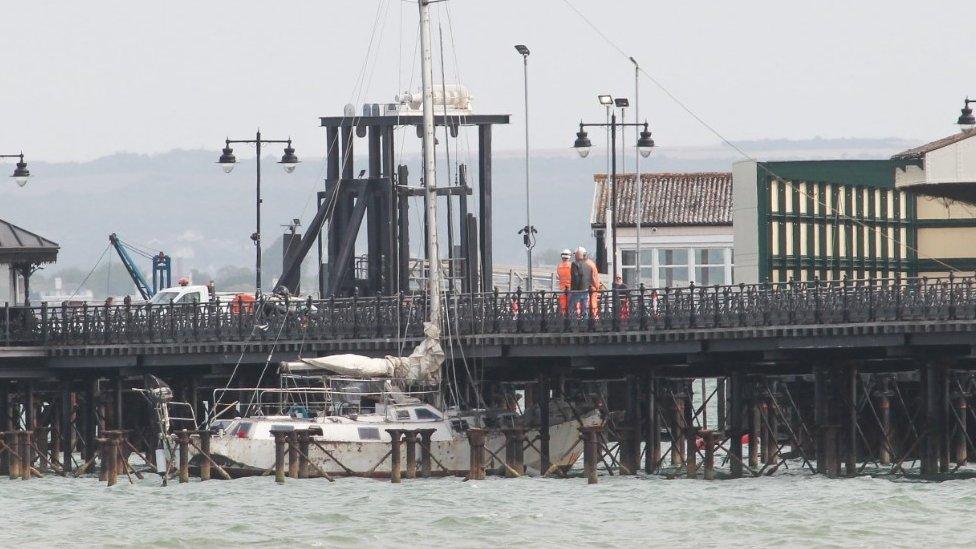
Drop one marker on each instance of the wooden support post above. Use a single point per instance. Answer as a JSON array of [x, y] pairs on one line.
[[851, 433], [691, 450], [183, 439], [112, 457], [280, 438], [66, 410], [755, 427], [630, 453], [591, 451], [932, 442], [820, 412], [395, 436], [677, 427], [722, 404], [961, 454], [26, 455], [410, 437], [708, 466], [831, 456], [736, 416], [476, 466], [425, 450], [652, 427], [293, 462], [13, 454], [205, 449], [514, 451], [88, 418], [543, 400], [304, 442], [102, 458], [884, 415]]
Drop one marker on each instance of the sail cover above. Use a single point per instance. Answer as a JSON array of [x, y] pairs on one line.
[[423, 364]]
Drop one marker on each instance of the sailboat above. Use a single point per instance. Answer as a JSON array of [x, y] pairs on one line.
[[349, 403]]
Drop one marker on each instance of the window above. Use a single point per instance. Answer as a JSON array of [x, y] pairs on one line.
[[710, 266], [424, 413], [190, 298], [163, 298], [282, 428], [672, 267], [403, 414], [628, 267], [369, 433]]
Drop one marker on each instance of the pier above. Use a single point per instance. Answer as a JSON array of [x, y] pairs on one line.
[[833, 377]]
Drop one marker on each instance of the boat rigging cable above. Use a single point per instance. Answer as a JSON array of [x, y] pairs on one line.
[[87, 276], [746, 155]]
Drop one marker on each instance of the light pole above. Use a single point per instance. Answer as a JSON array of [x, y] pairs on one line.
[[21, 173], [528, 232], [288, 161], [637, 173], [644, 145], [966, 120]]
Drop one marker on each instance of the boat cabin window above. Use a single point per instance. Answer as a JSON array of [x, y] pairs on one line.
[[424, 413], [403, 414], [219, 425], [282, 428], [369, 433]]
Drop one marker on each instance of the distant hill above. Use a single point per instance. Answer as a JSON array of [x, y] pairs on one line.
[[182, 203]]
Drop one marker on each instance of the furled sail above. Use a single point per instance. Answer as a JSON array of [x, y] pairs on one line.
[[422, 366]]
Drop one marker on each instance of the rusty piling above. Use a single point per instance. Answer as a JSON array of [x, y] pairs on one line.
[[708, 465], [476, 467], [280, 438], [395, 437], [425, 449], [591, 449], [410, 439]]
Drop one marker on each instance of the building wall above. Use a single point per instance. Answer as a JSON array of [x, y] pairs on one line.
[[820, 219], [946, 235], [953, 163], [745, 221], [676, 256]]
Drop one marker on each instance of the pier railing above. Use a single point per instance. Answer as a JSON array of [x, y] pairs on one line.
[[637, 309]]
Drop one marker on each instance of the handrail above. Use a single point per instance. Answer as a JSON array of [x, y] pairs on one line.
[[639, 309]]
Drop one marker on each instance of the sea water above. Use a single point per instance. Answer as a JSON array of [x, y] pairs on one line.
[[790, 509]]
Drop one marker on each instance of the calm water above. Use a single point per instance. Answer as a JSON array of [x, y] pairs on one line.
[[788, 510]]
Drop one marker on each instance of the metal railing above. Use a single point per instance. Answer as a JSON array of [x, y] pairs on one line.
[[544, 311]]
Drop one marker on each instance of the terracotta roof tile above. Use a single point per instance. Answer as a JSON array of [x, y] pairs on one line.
[[669, 199]]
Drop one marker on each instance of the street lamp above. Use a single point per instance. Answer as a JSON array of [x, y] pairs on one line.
[[583, 145], [227, 161], [528, 232], [966, 120], [21, 173]]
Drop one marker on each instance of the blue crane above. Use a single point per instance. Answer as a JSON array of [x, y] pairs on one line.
[[160, 264]]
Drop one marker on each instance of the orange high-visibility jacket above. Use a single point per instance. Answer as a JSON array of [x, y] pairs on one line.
[[564, 272]]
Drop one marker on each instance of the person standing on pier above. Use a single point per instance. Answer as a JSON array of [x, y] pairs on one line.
[[564, 274], [585, 281]]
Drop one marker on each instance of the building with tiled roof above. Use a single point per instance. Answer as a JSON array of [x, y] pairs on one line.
[[21, 252], [685, 228]]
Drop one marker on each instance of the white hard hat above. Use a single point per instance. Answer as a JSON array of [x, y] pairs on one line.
[[566, 252], [581, 250]]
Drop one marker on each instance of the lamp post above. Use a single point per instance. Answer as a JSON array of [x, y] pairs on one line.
[[21, 173], [644, 145], [227, 161], [528, 232], [966, 119]]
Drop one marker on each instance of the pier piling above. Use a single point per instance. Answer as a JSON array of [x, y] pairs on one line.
[[279, 468], [410, 437], [395, 440], [476, 439]]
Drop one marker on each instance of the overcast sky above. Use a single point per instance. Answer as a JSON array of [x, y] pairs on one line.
[[86, 79]]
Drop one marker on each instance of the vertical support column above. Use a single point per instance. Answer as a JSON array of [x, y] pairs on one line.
[[755, 427], [851, 388], [652, 434], [280, 439], [690, 432], [425, 450], [411, 439], [395, 438], [736, 413], [205, 450], [476, 466], [961, 454], [542, 398], [677, 425], [708, 466], [88, 418], [831, 466], [5, 457], [375, 224], [590, 436], [30, 406], [304, 441], [183, 439], [293, 456], [66, 431], [514, 452], [722, 403], [820, 415], [403, 230], [484, 204], [884, 415], [12, 440], [26, 454]]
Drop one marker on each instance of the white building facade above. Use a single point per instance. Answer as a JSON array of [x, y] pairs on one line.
[[685, 229]]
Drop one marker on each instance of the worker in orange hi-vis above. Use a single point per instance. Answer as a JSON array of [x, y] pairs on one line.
[[594, 288], [564, 274]]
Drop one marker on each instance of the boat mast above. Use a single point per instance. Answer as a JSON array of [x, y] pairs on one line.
[[430, 181]]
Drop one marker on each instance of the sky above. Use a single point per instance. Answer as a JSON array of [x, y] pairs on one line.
[[86, 79]]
